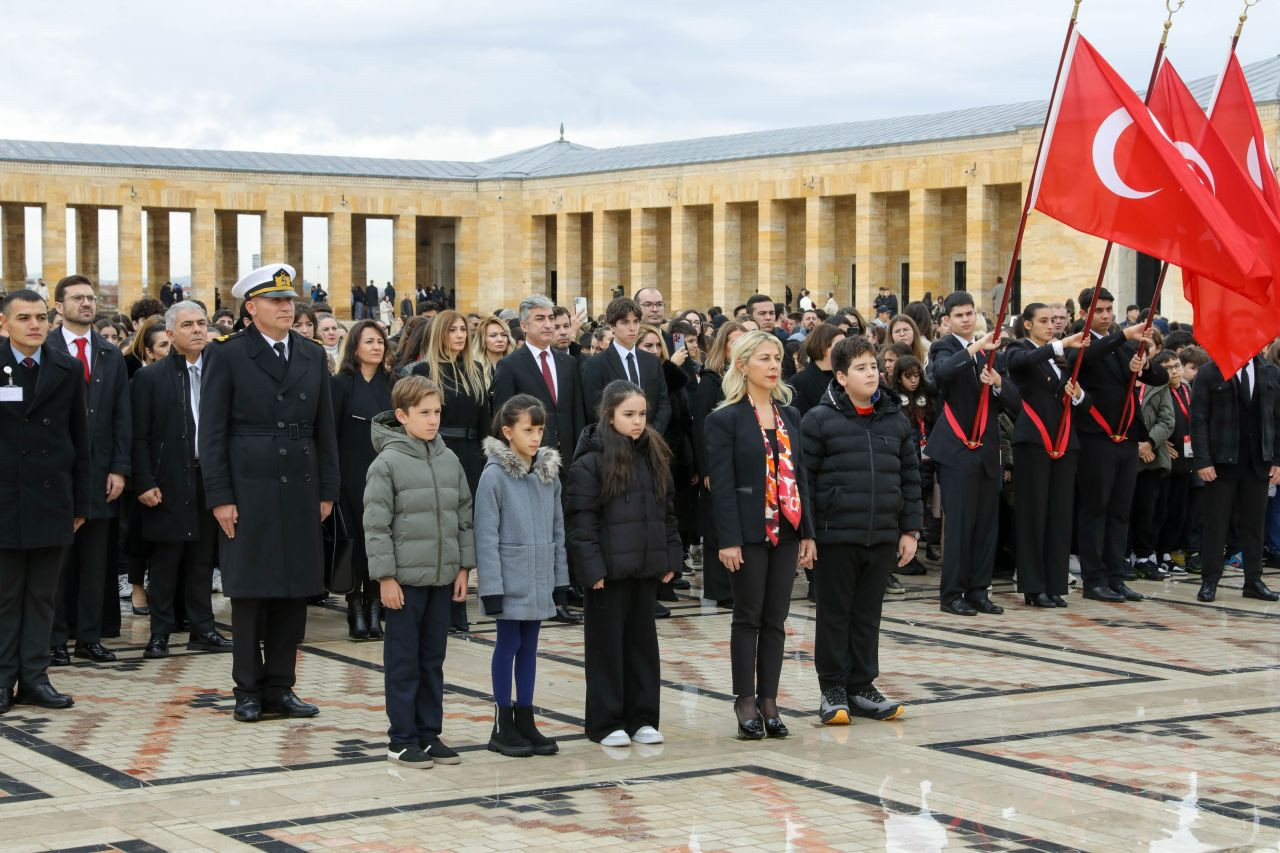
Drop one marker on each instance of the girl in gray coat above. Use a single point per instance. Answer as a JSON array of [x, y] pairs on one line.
[[519, 530]]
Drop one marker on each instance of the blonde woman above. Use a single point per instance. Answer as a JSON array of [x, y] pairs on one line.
[[763, 521], [491, 344]]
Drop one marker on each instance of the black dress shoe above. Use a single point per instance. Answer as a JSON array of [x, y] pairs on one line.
[[6, 699], [680, 583], [1103, 593], [1038, 599], [574, 596], [58, 656], [1129, 594], [566, 616], [1258, 589], [1058, 601], [157, 647], [95, 652], [958, 607], [752, 729], [660, 611], [983, 604], [773, 726], [1208, 592], [248, 710], [290, 706], [666, 593], [210, 641], [43, 696]]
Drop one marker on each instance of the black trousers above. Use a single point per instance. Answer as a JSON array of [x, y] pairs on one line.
[[1150, 499], [185, 567], [1046, 490], [846, 640], [1104, 481], [970, 528], [265, 637], [621, 650], [413, 649], [1173, 526], [28, 585], [761, 602], [82, 584], [1235, 501]]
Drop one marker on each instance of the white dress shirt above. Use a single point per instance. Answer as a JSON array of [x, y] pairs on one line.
[[271, 345], [551, 363], [195, 372], [74, 349]]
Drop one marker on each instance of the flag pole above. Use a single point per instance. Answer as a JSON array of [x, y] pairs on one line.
[[1173, 6], [975, 436]]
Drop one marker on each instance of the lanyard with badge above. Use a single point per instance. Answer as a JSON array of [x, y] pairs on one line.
[[10, 393]]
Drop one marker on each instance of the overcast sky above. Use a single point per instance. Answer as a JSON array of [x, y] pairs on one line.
[[473, 80]]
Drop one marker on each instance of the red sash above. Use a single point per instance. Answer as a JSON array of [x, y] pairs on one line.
[[1120, 435], [1064, 431], [971, 444]]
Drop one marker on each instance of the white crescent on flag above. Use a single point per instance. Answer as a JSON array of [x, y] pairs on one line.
[[1104, 155]]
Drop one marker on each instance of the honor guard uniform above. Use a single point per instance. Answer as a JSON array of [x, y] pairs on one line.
[[270, 463]]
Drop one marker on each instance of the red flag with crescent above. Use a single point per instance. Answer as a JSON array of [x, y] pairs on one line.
[[1109, 170], [1235, 117], [1231, 327]]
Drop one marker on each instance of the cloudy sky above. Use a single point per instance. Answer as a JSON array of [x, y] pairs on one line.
[[452, 80]]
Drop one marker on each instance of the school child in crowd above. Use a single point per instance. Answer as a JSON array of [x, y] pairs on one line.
[[1151, 494]]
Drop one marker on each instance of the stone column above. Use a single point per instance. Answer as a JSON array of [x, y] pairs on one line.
[[204, 256], [569, 257], [924, 240], [534, 230], [53, 224], [130, 254], [404, 256], [725, 267], [869, 249], [604, 255], [226, 255], [771, 251], [684, 259], [273, 249], [466, 264], [644, 249], [157, 249], [87, 248], [14, 237], [819, 248], [359, 250], [293, 249], [340, 276], [981, 260]]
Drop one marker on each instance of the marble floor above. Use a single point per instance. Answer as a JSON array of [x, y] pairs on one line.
[[1152, 726]]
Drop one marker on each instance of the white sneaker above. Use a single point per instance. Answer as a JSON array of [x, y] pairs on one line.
[[647, 734], [619, 738], [124, 588], [217, 580]]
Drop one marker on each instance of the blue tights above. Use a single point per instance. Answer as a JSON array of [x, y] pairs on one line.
[[518, 645]]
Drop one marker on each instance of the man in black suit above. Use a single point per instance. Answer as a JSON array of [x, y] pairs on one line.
[[1109, 436], [969, 473], [45, 468], [87, 565], [169, 485], [541, 371], [623, 360], [1234, 448], [372, 296]]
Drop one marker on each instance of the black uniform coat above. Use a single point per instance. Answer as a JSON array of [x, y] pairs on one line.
[[164, 447], [464, 421], [520, 373], [44, 468], [110, 418], [1217, 408], [1043, 391], [603, 368], [267, 445], [1105, 377], [956, 374]]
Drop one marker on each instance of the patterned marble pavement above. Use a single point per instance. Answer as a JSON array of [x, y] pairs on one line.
[[1100, 727]]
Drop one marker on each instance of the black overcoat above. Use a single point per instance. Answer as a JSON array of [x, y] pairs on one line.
[[164, 449]]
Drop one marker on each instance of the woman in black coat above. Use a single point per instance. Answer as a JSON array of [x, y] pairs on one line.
[[810, 384], [464, 408], [361, 389], [759, 489]]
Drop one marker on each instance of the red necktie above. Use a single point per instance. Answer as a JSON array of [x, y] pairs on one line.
[[84, 359], [546, 376]]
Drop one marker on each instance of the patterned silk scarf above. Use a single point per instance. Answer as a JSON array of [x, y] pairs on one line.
[[780, 490]]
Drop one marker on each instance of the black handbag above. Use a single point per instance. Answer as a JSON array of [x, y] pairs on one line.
[[338, 575]]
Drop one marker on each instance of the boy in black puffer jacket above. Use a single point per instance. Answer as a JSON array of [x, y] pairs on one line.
[[860, 452]]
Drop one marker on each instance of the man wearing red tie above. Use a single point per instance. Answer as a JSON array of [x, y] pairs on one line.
[[87, 564]]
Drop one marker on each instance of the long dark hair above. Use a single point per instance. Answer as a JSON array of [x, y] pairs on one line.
[[349, 365], [620, 451]]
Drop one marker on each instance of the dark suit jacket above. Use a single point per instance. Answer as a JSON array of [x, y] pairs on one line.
[[1217, 408], [735, 456], [1042, 391], [164, 449], [45, 463], [519, 373], [603, 368], [1105, 377], [372, 296], [110, 418], [956, 374]]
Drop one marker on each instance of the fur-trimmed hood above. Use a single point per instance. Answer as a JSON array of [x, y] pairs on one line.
[[546, 465]]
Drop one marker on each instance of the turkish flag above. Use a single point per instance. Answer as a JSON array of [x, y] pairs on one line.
[[1235, 117], [1230, 326], [1108, 170]]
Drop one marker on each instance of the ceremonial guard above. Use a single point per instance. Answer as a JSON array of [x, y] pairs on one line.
[[269, 459]]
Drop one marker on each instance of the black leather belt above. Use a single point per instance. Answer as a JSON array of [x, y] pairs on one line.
[[459, 432], [282, 430]]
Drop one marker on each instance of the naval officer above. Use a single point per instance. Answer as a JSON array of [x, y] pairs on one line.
[[270, 464]]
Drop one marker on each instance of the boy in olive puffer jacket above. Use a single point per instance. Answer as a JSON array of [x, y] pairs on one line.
[[417, 527]]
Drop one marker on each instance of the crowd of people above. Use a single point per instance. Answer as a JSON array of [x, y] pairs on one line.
[[584, 469]]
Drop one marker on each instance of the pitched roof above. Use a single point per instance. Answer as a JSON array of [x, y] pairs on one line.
[[562, 158]]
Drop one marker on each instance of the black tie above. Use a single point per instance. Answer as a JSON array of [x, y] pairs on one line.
[[279, 348], [631, 369]]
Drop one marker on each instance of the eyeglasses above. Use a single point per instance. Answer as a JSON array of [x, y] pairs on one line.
[[89, 298], [652, 304]]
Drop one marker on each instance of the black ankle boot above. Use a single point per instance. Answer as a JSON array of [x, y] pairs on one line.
[[528, 730], [357, 625], [506, 739], [373, 607]]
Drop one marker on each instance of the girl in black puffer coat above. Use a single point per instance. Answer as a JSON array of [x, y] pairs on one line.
[[623, 540]]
